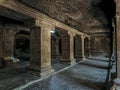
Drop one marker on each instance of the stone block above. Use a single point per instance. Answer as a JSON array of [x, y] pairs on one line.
[[11, 62]]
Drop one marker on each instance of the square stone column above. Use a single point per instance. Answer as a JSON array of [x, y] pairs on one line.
[[55, 47], [1, 34], [40, 49], [65, 48], [8, 41], [83, 47], [78, 48], [72, 59], [117, 80], [89, 47], [118, 46], [1, 48]]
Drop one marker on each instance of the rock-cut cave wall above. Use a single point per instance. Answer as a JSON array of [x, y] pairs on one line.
[[91, 16]]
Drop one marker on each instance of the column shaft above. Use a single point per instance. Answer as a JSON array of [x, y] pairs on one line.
[[83, 46], [78, 48], [8, 42], [1, 42], [89, 47], [65, 48], [118, 46], [72, 59], [40, 49]]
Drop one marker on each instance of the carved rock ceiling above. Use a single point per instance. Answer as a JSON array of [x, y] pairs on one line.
[[81, 14]]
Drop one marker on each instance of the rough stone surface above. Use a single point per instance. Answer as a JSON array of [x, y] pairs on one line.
[[101, 44], [79, 14]]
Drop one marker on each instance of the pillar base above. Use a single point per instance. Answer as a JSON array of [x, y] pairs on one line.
[[89, 56], [73, 62], [83, 58], [116, 85], [37, 71]]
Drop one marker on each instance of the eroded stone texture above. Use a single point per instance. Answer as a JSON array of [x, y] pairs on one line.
[[79, 14], [101, 44]]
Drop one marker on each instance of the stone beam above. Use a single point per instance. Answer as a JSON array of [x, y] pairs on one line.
[[16, 6]]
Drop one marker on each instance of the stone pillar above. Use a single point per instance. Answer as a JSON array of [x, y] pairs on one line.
[[65, 48], [116, 85], [72, 59], [40, 49], [86, 46], [8, 41], [89, 47], [1, 34], [1, 48], [78, 48], [55, 47], [83, 47]]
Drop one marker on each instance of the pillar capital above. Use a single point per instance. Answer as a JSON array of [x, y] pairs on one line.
[[83, 36], [118, 17], [89, 38], [71, 33], [39, 23]]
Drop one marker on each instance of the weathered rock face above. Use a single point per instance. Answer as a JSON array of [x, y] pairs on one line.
[[101, 44], [90, 16], [81, 14]]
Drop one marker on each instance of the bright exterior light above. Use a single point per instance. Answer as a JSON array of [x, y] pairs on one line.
[[52, 31]]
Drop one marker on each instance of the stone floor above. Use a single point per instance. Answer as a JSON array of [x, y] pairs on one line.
[[89, 75], [84, 76], [14, 77]]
